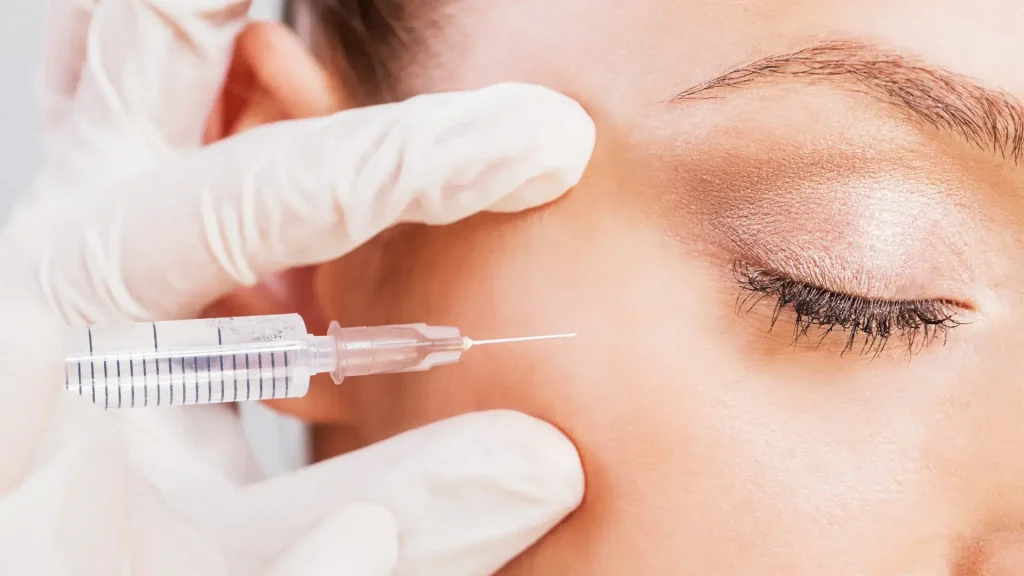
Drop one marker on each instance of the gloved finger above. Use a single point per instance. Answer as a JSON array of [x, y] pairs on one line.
[[469, 493], [304, 192], [66, 27], [361, 539], [153, 71], [32, 362]]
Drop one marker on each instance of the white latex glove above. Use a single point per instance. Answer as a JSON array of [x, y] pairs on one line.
[[131, 220]]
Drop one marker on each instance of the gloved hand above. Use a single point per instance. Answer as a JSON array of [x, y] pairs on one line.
[[132, 220]]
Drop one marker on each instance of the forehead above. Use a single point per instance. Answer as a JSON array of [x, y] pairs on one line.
[[610, 52]]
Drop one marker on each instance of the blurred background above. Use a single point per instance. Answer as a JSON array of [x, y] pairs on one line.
[[280, 442], [21, 45]]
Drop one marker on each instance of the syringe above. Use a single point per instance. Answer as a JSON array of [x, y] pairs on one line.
[[245, 358]]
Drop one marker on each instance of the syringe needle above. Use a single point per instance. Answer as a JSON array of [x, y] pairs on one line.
[[520, 339]]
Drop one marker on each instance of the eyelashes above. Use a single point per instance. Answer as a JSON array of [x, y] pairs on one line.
[[867, 324]]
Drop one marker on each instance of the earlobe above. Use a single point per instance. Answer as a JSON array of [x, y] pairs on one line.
[[272, 77]]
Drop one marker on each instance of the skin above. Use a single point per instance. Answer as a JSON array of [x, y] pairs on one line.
[[712, 444]]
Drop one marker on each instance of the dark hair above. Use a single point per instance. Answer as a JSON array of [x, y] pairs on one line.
[[362, 41]]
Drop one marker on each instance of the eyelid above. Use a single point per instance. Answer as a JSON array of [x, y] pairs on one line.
[[742, 267], [919, 322]]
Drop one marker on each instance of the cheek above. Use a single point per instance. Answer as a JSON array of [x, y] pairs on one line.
[[555, 270], [631, 389]]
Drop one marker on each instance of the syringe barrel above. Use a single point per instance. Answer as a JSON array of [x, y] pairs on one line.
[[192, 361], [239, 359]]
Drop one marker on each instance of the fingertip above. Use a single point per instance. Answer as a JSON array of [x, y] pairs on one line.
[[550, 459], [484, 488], [566, 136], [504, 148], [573, 137]]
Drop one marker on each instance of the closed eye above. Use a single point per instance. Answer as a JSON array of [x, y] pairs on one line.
[[867, 324]]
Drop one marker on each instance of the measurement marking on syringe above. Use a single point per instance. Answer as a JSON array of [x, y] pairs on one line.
[[118, 384], [209, 381], [195, 374], [195, 371], [131, 378], [234, 374], [184, 382], [248, 379], [286, 375], [92, 366], [259, 363], [156, 348], [220, 342], [170, 381], [273, 377], [106, 387], [145, 384]]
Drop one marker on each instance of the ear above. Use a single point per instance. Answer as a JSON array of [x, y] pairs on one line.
[[274, 77]]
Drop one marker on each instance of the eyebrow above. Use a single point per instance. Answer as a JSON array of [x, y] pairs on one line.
[[989, 119]]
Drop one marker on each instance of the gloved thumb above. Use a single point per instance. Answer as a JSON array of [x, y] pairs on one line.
[[31, 362], [361, 539], [468, 494]]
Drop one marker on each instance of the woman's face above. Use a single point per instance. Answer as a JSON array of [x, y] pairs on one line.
[[797, 288]]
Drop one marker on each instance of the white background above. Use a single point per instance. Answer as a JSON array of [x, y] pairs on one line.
[[279, 442]]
